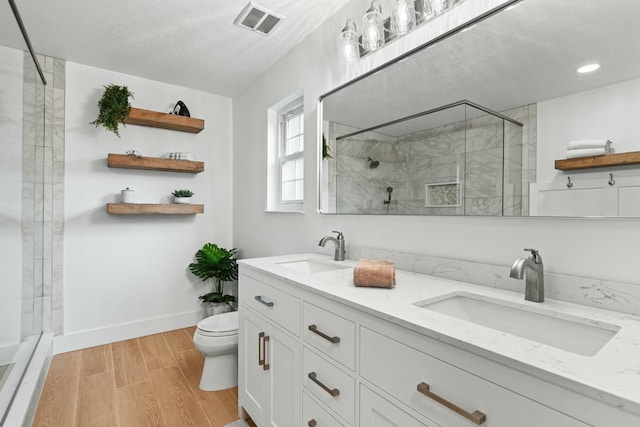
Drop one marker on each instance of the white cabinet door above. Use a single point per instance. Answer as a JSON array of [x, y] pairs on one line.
[[283, 359], [252, 375], [378, 412]]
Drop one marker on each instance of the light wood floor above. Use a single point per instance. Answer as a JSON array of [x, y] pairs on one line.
[[147, 381]]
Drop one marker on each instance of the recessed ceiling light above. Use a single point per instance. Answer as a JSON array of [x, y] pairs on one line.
[[588, 68]]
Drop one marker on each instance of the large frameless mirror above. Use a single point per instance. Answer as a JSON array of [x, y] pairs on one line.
[[480, 122]]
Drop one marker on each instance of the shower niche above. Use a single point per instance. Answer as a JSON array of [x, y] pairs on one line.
[[459, 159]]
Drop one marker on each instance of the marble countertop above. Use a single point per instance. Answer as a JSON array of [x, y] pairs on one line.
[[611, 375]]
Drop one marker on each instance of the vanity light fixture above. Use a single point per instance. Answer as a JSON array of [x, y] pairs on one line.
[[373, 27], [403, 17], [348, 43], [376, 30], [588, 68], [427, 9]]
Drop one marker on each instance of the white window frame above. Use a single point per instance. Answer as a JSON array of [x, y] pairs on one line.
[[294, 109]]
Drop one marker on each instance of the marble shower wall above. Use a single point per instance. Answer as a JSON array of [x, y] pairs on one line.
[[43, 195], [466, 157]]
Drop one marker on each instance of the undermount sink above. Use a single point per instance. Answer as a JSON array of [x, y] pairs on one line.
[[570, 333], [311, 266]]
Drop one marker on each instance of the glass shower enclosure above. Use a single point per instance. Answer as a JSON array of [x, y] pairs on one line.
[[459, 159], [22, 217]]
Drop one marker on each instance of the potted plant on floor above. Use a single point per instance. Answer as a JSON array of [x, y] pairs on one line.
[[113, 107], [182, 196], [214, 262]]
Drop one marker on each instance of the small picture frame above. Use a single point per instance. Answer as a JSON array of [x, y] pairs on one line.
[[443, 194]]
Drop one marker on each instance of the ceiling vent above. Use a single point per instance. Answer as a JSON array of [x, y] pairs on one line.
[[258, 18]]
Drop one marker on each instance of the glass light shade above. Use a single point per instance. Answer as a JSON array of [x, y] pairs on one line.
[[431, 8], [373, 27], [348, 50], [403, 17]]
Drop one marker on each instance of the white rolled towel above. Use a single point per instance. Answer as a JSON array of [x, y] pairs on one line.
[[579, 144], [586, 152]]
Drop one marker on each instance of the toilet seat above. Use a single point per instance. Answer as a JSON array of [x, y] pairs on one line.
[[220, 325]]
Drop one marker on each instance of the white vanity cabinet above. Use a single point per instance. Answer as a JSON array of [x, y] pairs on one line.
[[379, 412], [331, 364], [448, 395], [269, 355]]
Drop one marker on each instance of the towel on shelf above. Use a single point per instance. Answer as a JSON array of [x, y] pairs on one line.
[[372, 273], [586, 152], [579, 144]]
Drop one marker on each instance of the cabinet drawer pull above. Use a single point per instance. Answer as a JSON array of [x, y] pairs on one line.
[[265, 365], [261, 301], [332, 391], [312, 423], [476, 417], [260, 349], [314, 329]]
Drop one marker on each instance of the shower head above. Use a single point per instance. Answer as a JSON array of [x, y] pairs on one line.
[[389, 190], [373, 163]]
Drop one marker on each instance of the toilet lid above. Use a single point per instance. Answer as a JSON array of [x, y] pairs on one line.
[[225, 322]]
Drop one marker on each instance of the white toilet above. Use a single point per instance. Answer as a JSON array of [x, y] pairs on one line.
[[217, 338]]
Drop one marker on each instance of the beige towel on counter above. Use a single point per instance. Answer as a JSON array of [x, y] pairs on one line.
[[372, 273]]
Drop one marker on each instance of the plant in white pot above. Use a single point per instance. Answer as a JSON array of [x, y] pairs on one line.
[[214, 262], [182, 196]]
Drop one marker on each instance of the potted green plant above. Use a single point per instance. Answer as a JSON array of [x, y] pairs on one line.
[[113, 107], [182, 196], [214, 262]]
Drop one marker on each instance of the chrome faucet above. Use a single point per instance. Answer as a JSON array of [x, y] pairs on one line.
[[339, 242], [534, 278]]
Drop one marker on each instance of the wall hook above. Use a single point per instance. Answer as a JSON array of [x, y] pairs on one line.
[[569, 183], [611, 180]]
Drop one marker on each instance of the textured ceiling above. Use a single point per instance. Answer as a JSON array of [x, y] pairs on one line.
[[188, 43]]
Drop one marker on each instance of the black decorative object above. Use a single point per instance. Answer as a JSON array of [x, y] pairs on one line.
[[181, 110]]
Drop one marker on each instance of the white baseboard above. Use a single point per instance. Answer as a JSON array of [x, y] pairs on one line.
[[92, 338]]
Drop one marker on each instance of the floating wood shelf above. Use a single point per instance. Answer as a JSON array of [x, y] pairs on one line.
[[125, 161], [138, 116], [609, 160], [153, 209]]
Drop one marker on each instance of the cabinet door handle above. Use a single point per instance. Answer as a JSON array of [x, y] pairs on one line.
[[265, 366], [476, 417], [314, 329], [261, 301], [332, 391], [312, 423], [260, 349]]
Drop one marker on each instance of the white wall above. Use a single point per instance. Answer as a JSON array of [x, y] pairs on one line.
[[127, 276], [11, 207], [592, 248], [609, 112]]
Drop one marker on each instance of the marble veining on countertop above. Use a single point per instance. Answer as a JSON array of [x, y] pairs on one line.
[[612, 375]]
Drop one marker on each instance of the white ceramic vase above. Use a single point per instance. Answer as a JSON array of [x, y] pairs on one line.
[[182, 200]]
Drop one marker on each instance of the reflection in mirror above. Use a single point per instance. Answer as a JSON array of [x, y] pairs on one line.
[[518, 61], [461, 159]]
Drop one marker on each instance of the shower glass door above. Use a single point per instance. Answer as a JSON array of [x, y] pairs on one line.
[[22, 225]]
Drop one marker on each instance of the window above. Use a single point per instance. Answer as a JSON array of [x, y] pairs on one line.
[[291, 154], [285, 155]]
